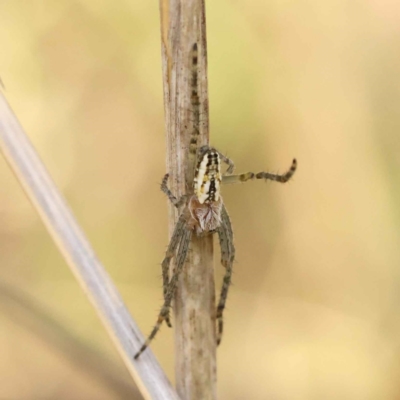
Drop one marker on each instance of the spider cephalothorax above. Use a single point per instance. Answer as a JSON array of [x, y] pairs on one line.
[[202, 212]]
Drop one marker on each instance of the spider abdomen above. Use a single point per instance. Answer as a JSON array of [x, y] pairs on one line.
[[207, 180]]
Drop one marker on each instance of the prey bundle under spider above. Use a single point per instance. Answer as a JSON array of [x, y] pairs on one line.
[[202, 213]]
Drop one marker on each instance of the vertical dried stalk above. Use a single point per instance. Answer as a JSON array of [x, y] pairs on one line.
[[182, 25]]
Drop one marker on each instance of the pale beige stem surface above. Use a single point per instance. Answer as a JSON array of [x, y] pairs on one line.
[[182, 25], [81, 258]]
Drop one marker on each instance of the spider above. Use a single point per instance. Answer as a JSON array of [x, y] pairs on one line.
[[202, 213]]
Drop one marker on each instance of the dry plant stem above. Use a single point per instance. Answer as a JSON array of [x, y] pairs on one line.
[[72, 243], [182, 25]]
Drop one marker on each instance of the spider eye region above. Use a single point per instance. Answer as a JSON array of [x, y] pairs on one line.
[[207, 180]]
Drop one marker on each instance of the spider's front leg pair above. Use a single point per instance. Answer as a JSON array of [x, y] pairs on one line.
[[179, 245], [174, 240]]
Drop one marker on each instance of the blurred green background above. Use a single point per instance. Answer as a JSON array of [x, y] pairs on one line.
[[314, 310]]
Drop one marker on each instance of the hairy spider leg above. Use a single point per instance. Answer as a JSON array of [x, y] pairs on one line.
[[174, 240], [180, 262], [225, 235], [173, 244], [164, 187], [195, 103], [229, 162], [282, 178]]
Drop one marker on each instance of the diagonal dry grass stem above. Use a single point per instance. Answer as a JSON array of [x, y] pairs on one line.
[[72, 243]]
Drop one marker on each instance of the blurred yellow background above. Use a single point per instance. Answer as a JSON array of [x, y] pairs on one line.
[[314, 310]]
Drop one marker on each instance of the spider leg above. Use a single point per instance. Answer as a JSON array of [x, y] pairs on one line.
[[229, 179], [169, 254], [164, 187], [195, 103], [225, 235], [229, 162], [180, 262]]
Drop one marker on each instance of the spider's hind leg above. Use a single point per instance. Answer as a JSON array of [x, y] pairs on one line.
[[164, 187], [277, 177], [282, 178], [228, 162]]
